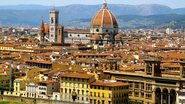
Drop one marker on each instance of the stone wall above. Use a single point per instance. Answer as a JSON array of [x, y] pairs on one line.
[[32, 100]]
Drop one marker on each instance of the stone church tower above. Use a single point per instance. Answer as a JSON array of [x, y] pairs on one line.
[[53, 25]]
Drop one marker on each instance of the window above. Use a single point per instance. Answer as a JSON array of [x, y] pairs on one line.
[[183, 72], [130, 85], [65, 90], [136, 94], [94, 94], [61, 90], [149, 69], [103, 102], [52, 29], [149, 96], [52, 20], [110, 95], [142, 94], [87, 93], [97, 30], [90, 101], [148, 87], [136, 85], [98, 94], [142, 86], [130, 93], [51, 35], [98, 101], [94, 101], [82, 92]]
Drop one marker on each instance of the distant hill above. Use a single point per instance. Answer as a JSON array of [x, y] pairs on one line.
[[152, 21], [128, 15]]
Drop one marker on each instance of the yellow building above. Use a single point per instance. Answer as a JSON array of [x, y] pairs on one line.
[[83, 88], [13, 48], [75, 85], [19, 85], [108, 92], [32, 73], [4, 80]]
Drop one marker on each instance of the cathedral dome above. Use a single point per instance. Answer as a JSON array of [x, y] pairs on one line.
[[104, 18]]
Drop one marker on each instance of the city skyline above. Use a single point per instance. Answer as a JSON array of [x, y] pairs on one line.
[[170, 3]]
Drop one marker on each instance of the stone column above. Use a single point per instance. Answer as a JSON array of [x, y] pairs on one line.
[[169, 98], [177, 98], [161, 97]]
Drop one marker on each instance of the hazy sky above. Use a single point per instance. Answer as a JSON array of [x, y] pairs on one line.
[[171, 3]]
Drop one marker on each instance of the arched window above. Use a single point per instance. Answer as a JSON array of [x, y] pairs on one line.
[[52, 21]]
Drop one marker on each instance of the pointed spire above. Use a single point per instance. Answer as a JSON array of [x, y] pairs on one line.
[[104, 6]]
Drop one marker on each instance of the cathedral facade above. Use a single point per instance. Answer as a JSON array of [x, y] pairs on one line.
[[103, 29]]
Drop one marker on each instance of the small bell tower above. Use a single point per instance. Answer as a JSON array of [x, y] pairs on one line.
[[152, 67]]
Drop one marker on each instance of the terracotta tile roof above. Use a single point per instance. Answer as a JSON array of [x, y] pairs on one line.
[[77, 75], [47, 82], [7, 45], [39, 61], [109, 84]]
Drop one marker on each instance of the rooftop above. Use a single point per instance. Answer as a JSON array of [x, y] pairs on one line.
[[109, 84], [77, 75]]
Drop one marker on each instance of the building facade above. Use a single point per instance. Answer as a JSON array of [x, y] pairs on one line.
[[108, 92], [103, 29], [83, 88], [152, 86], [74, 84]]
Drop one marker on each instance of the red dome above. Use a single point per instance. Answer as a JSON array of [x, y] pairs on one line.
[[104, 18]]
